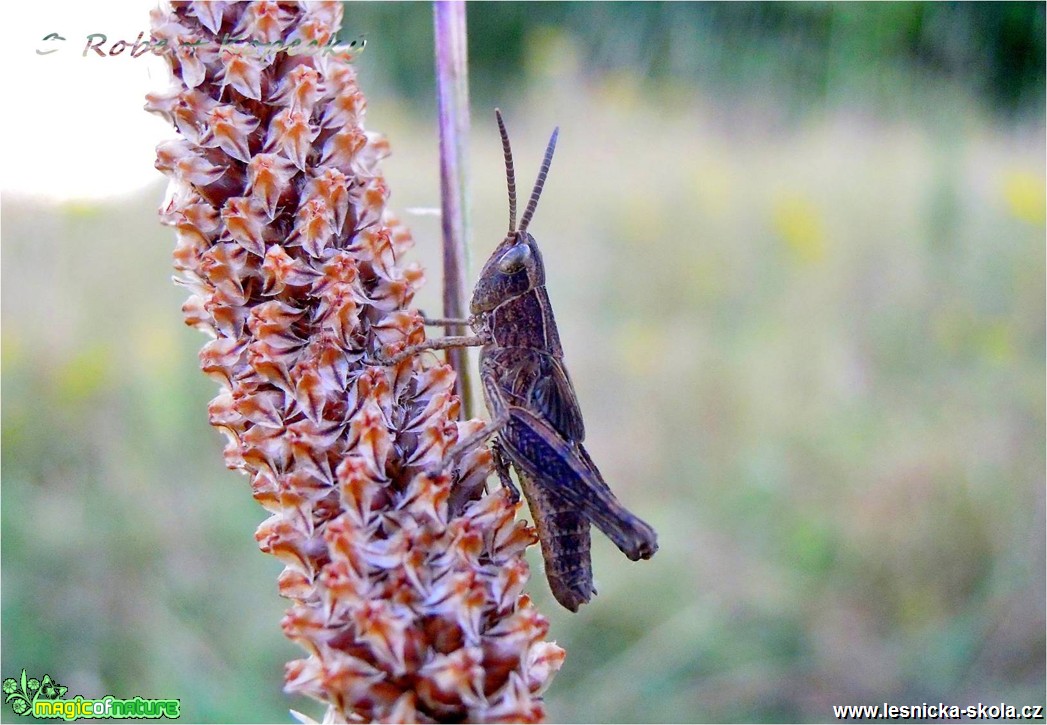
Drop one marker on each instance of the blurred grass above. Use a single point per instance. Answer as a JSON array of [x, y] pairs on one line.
[[878, 53], [810, 350]]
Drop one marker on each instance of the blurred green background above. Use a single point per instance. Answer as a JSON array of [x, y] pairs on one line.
[[797, 257]]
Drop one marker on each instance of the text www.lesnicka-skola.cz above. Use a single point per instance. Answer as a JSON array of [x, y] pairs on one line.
[[938, 711]]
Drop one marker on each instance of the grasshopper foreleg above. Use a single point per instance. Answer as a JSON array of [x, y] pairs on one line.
[[440, 343], [444, 321], [501, 467]]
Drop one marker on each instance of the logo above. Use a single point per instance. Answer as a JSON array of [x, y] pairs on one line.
[[43, 698], [22, 694]]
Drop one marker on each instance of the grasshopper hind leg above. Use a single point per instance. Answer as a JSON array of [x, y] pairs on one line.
[[567, 477]]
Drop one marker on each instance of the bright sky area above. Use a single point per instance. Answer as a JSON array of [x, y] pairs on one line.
[[73, 127]]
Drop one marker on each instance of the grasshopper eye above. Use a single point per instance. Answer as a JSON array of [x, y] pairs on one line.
[[513, 260]]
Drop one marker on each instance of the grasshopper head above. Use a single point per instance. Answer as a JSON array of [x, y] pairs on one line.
[[515, 267]]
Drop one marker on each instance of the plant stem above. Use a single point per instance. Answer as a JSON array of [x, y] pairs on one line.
[[452, 96]]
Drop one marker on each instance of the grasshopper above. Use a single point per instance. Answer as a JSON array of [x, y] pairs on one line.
[[534, 409]]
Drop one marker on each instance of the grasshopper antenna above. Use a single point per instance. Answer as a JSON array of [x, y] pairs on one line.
[[542, 173], [510, 174]]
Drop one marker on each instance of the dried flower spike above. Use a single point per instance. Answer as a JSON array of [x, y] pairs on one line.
[[406, 578]]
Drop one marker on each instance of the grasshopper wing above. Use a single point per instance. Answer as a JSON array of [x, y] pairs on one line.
[[553, 395], [566, 474], [536, 380]]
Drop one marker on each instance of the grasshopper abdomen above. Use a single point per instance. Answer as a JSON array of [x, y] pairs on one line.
[[565, 543]]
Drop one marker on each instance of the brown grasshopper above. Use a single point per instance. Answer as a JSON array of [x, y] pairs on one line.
[[534, 409]]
